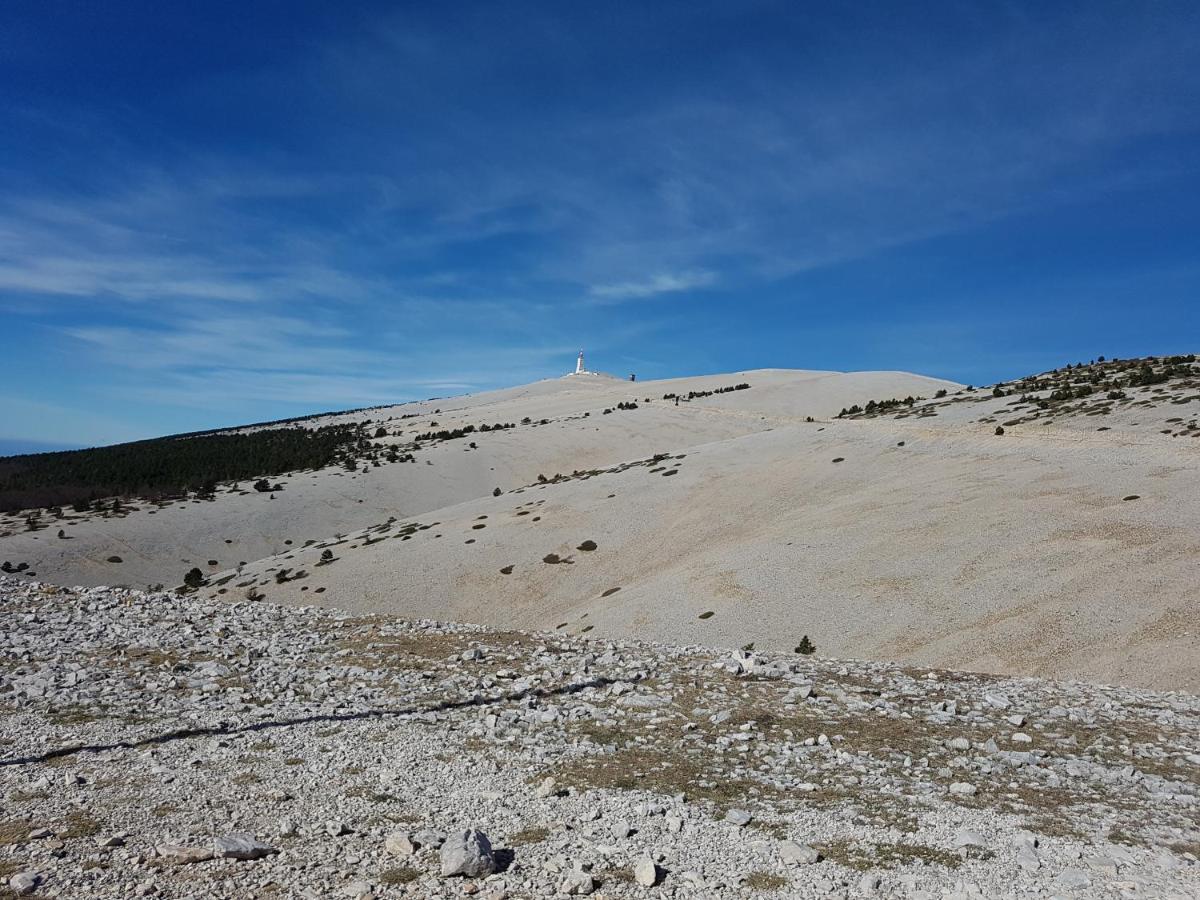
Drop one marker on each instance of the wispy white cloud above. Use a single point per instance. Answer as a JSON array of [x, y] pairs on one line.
[[662, 283]]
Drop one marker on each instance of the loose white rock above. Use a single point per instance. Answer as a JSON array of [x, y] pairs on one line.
[[645, 872], [467, 853]]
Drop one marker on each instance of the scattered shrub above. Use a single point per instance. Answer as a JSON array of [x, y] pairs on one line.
[[806, 647], [694, 395], [874, 407]]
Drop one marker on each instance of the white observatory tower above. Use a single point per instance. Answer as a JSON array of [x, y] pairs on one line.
[[579, 369]]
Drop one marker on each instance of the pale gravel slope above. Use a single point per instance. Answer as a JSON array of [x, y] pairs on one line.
[[140, 729], [1011, 553], [965, 551], [160, 547]]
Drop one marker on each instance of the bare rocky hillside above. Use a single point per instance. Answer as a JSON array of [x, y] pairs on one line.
[[159, 745], [1044, 526]]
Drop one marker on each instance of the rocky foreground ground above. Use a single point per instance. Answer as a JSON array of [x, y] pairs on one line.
[[167, 746]]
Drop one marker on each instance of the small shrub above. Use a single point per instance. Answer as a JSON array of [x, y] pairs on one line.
[[765, 881], [194, 578], [399, 875], [115, 559], [497, 492], [806, 647], [999, 430], [706, 615], [534, 834], [587, 546]]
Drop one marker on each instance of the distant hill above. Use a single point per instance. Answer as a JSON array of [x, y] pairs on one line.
[[1045, 525]]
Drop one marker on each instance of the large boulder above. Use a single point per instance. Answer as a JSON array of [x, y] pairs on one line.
[[24, 883], [467, 853], [645, 872], [241, 846]]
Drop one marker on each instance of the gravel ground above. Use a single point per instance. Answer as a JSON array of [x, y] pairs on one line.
[[168, 746]]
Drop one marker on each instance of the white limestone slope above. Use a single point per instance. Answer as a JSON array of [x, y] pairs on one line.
[[932, 541], [160, 545]]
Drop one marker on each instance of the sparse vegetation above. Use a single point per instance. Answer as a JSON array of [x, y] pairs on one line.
[[533, 834], [765, 881], [875, 407], [695, 395], [453, 434], [399, 875]]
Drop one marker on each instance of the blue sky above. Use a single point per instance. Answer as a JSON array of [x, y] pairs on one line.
[[217, 212]]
